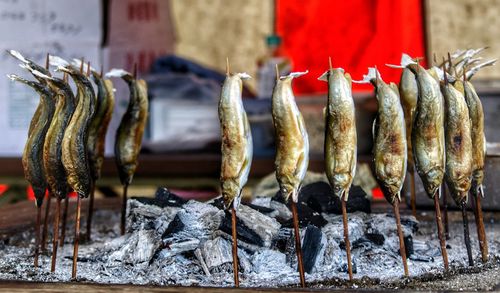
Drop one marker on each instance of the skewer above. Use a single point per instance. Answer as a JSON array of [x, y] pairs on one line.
[[439, 223], [413, 195], [466, 234], [37, 234], [298, 248], [402, 247], [445, 212], [56, 235], [124, 209], [64, 220], [481, 234], [46, 223], [90, 211], [346, 237], [235, 247], [77, 237]]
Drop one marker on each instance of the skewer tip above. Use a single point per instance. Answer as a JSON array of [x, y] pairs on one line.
[[227, 66], [330, 62], [277, 72], [81, 65]]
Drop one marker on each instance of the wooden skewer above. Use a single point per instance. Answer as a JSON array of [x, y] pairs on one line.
[[124, 210], [90, 211], [235, 247], [37, 234], [413, 195], [439, 222], [402, 247], [445, 212], [346, 237], [55, 240], [466, 234], [481, 233], [298, 248], [77, 237], [64, 221], [46, 223]]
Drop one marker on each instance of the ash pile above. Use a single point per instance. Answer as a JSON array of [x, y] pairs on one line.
[[173, 241]]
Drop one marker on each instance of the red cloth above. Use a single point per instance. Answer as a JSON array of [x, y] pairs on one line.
[[356, 34]]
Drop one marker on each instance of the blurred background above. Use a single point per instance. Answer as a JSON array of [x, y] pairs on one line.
[[180, 47]]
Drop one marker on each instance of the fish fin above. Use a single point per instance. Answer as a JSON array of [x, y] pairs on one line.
[[370, 76], [18, 56], [476, 68], [78, 63], [293, 75], [57, 61], [324, 76], [117, 73], [405, 61], [243, 75]]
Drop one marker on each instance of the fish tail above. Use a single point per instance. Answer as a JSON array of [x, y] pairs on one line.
[[293, 75]]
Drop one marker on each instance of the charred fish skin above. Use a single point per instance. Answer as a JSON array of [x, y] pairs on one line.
[[52, 148], [408, 90], [237, 146], [32, 158], [458, 144], [131, 129], [99, 125], [74, 143], [292, 143], [478, 138], [340, 132]]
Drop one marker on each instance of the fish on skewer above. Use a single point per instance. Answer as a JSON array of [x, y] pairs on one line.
[[130, 131], [390, 149], [74, 147], [236, 148], [292, 150], [33, 150], [52, 148], [408, 90], [478, 138], [428, 141], [458, 151], [340, 142], [97, 133], [34, 120]]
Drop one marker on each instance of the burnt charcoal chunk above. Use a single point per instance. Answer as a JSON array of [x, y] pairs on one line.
[[167, 198], [408, 240], [244, 233], [376, 238], [343, 267], [307, 216], [410, 222], [174, 226], [311, 245], [319, 197], [261, 209], [218, 203]]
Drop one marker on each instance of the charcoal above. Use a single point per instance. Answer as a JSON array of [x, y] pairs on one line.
[[144, 216], [307, 216], [262, 201], [376, 238], [170, 249], [200, 221], [174, 226], [216, 252], [137, 248], [164, 197], [311, 247], [335, 228], [319, 197], [343, 268], [261, 209], [408, 240], [283, 212], [217, 202], [252, 226]]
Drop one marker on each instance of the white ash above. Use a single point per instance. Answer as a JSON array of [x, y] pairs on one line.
[[198, 253]]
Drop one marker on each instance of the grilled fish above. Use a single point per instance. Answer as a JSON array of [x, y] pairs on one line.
[[129, 134], [292, 145], [458, 143], [74, 143], [428, 141], [340, 132], [33, 150], [408, 90], [237, 148]]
